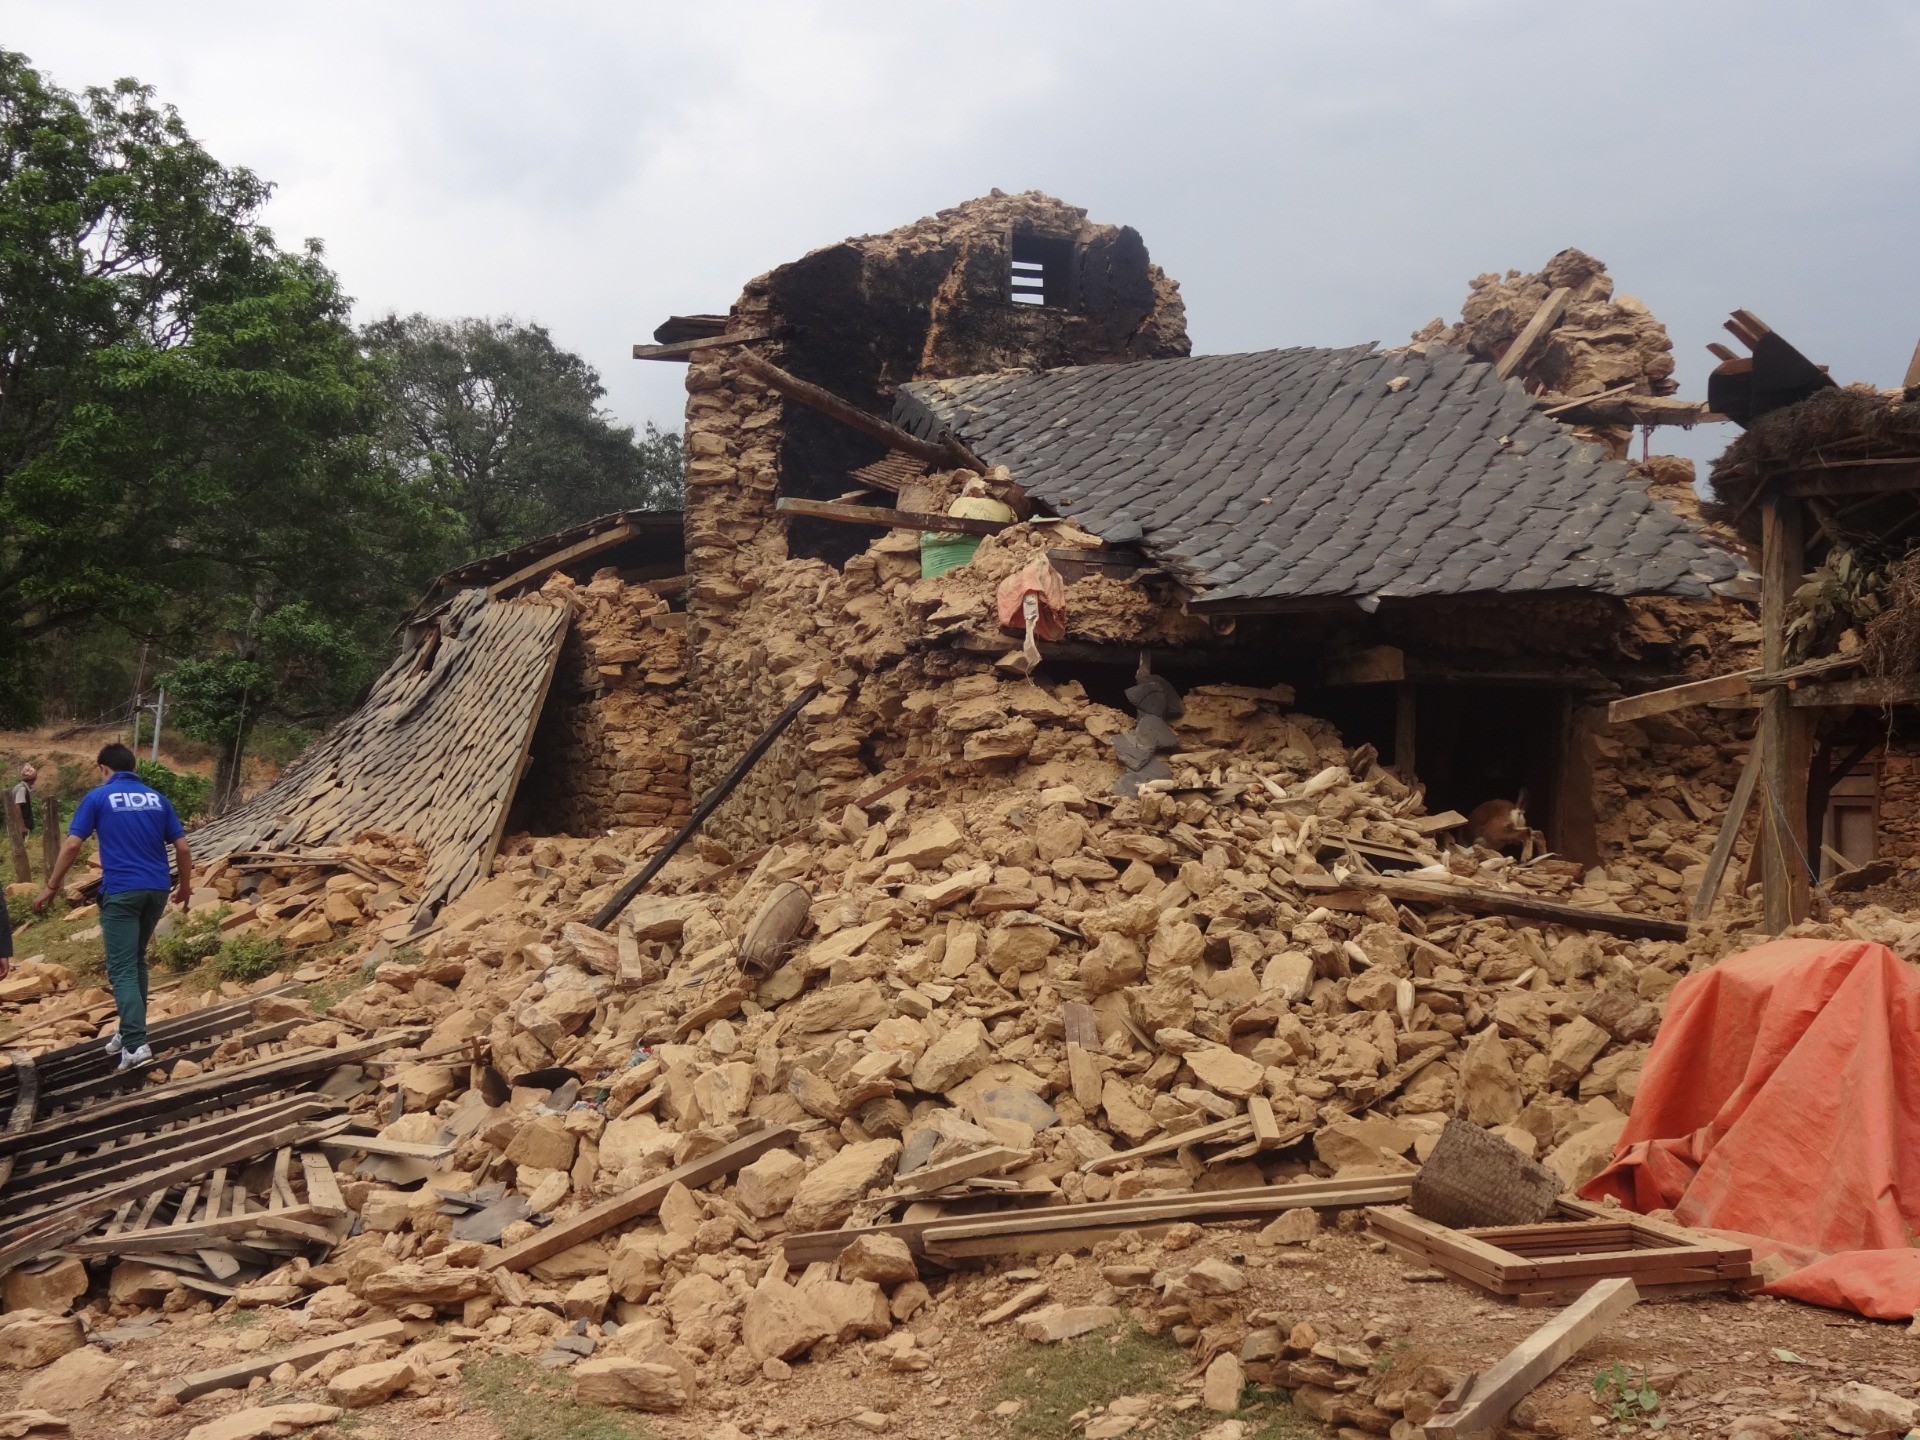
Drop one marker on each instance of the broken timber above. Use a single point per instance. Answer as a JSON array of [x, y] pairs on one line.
[[893, 519], [202, 1382], [623, 897], [642, 1198], [1076, 1226], [1498, 902], [827, 403], [1487, 1399]]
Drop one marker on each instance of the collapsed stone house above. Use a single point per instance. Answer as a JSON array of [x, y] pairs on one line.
[[1432, 546], [1400, 536]]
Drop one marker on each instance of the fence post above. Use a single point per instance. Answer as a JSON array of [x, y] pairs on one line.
[[17, 835], [50, 834]]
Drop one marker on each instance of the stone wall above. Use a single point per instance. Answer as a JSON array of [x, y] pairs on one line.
[[862, 317], [611, 749]]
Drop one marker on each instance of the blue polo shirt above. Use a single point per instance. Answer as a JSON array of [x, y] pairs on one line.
[[135, 823]]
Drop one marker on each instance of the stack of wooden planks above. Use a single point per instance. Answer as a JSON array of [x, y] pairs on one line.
[[171, 1170], [435, 754]]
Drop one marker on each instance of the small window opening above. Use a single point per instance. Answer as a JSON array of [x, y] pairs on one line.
[[1042, 265]]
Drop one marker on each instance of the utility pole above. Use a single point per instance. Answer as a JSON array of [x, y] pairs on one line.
[[159, 714], [139, 682]]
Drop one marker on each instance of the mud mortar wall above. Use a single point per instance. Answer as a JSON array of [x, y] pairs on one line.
[[929, 300], [611, 749]]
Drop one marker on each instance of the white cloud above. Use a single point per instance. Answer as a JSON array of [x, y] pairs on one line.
[[1309, 172]]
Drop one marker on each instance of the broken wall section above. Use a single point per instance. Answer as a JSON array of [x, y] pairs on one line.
[[930, 300], [611, 749]]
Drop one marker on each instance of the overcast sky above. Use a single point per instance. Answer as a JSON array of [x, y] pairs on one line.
[[1310, 172]]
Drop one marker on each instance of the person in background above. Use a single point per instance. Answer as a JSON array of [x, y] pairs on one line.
[[22, 797], [136, 824]]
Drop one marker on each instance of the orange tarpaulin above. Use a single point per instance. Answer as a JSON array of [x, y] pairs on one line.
[[1781, 1100]]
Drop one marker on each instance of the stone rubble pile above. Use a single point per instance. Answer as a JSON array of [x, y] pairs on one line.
[[916, 1016]]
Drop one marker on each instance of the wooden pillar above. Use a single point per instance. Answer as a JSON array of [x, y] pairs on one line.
[[1405, 713], [1785, 755], [1572, 821], [50, 832], [17, 838]]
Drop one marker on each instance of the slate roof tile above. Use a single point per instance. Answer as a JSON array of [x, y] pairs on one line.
[[1404, 493]]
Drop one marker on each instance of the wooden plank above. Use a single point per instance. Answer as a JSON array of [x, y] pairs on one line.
[[84, 1173], [827, 403], [1404, 1225], [1489, 1399], [282, 1179], [1266, 1128], [194, 1235], [642, 1198], [1679, 697], [323, 1189], [1866, 477], [1786, 754], [216, 1193], [1498, 902], [120, 1218], [1221, 1132], [988, 1160], [1863, 690], [203, 1382], [356, 1144], [48, 1232], [1533, 332], [687, 349], [1111, 1215], [1730, 824], [26, 1085], [162, 1100], [889, 519], [613, 536], [969, 1236]]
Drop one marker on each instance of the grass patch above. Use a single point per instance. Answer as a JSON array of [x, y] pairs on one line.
[[529, 1403], [1053, 1383]]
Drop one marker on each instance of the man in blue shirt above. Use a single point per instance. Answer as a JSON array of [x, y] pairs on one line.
[[135, 824]]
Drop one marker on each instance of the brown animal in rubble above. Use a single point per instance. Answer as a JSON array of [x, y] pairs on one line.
[[1502, 825]]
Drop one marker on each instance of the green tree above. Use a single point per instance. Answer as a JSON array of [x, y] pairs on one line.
[[498, 424], [186, 415]]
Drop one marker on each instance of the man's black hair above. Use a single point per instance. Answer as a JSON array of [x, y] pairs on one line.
[[116, 757]]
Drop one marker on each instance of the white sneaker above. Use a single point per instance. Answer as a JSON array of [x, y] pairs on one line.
[[134, 1059], [114, 1044]]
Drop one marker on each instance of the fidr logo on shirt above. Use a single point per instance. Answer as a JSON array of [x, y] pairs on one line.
[[134, 800]]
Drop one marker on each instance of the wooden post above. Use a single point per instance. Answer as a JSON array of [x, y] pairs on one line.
[[1405, 714], [1784, 731], [50, 833], [17, 837]]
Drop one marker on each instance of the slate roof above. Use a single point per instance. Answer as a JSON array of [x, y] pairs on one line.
[[1294, 476]]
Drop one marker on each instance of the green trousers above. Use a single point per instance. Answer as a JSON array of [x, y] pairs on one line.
[[127, 919]]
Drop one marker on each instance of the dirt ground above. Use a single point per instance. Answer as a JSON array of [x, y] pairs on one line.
[[1712, 1361]]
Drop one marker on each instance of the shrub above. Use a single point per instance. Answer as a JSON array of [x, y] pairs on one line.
[[188, 792], [249, 957], [191, 943]]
